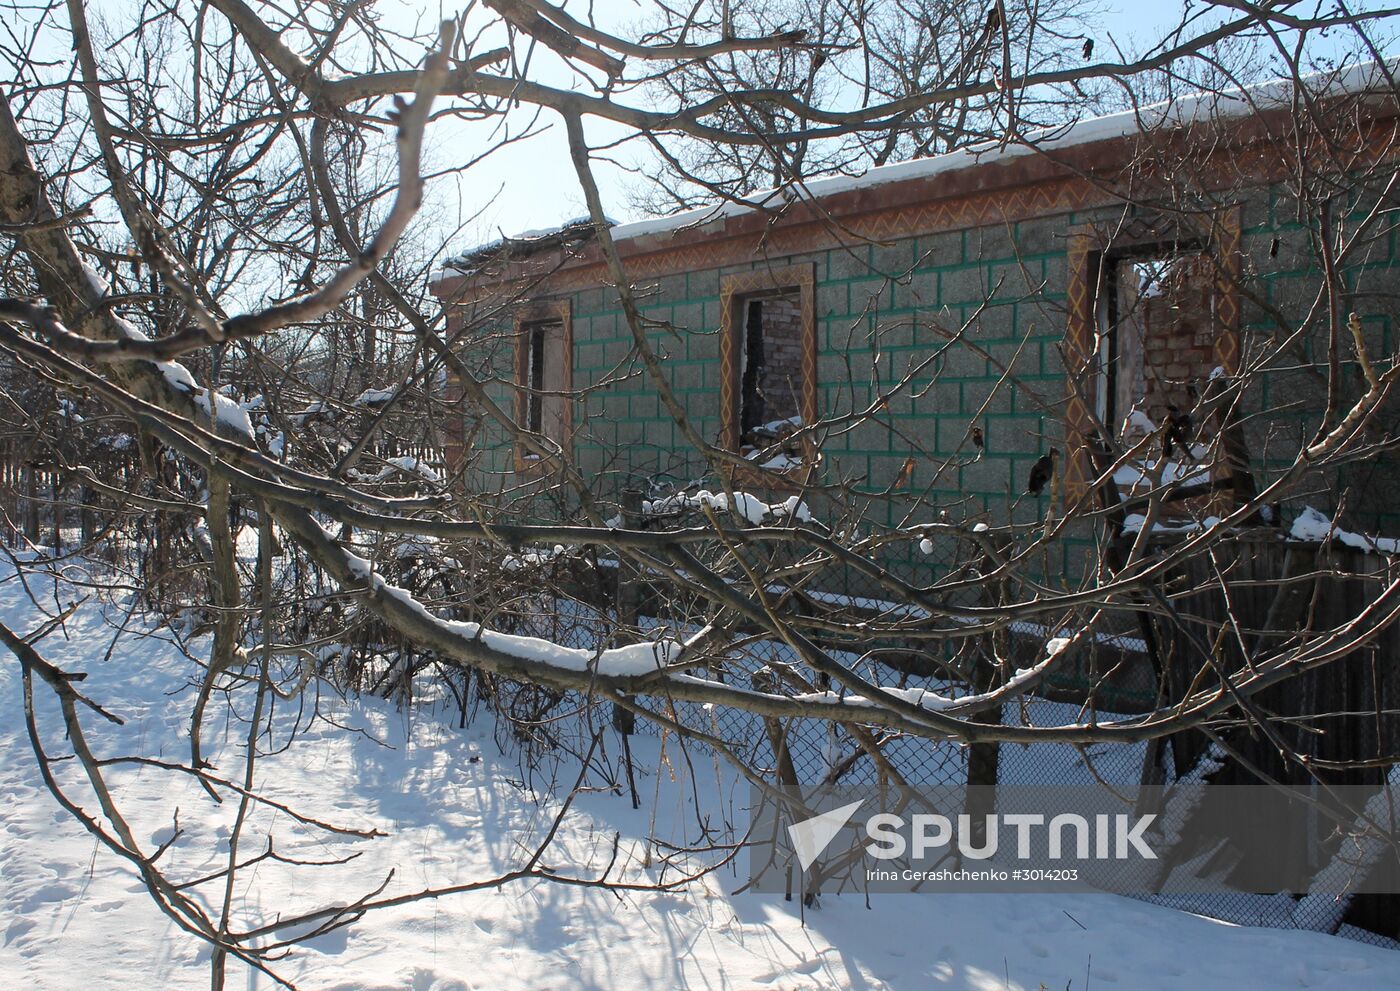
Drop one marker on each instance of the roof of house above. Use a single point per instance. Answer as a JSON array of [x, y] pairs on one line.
[[1357, 79], [515, 247]]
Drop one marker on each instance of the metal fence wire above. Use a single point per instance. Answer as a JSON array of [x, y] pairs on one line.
[[816, 747]]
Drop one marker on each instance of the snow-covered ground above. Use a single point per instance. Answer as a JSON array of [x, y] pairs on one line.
[[72, 916]]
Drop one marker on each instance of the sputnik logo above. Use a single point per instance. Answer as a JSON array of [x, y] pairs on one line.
[[811, 837]]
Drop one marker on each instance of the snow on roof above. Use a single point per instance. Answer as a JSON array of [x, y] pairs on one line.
[[1361, 78], [509, 247], [1171, 113]]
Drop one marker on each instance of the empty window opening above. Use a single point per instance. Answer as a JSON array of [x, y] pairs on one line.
[[534, 417], [1154, 308], [770, 393], [541, 374], [1158, 338]]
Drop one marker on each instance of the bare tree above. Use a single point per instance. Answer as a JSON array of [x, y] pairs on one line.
[[855, 57], [229, 277]]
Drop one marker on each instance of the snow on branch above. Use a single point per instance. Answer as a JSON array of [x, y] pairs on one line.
[[745, 505], [393, 466], [1313, 527], [630, 660], [1022, 681]]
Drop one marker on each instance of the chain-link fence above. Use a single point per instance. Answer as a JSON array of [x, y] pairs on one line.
[[809, 751]]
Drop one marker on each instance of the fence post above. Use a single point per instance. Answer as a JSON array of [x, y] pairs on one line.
[[983, 758], [765, 680], [31, 504], [56, 512], [629, 595], [629, 589], [11, 498]]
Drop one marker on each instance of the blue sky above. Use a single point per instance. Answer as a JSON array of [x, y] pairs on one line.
[[532, 185]]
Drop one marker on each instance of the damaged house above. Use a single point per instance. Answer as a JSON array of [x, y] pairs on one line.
[[1119, 332], [936, 327]]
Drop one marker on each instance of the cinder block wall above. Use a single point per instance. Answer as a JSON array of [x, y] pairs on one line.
[[1283, 294], [883, 308]]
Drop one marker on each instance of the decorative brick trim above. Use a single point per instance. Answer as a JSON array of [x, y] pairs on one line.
[[733, 290], [1088, 243], [797, 233], [997, 191]]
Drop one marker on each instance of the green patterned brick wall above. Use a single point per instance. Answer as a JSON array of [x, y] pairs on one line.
[[875, 310]]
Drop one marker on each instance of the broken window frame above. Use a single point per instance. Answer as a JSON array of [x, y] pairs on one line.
[[737, 292], [535, 361], [1090, 248], [538, 344], [1111, 320]]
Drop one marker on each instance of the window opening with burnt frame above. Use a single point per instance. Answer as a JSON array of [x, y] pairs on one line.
[[770, 393], [1153, 312], [542, 378], [1159, 334], [1158, 347], [534, 419]]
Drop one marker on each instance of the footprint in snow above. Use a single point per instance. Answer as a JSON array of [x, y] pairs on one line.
[[331, 943], [164, 835], [55, 891], [671, 903], [1350, 965]]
